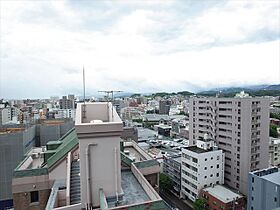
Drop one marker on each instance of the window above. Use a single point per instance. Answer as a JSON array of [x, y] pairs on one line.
[[205, 177], [205, 159], [253, 179], [217, 174], [218, 165], [275, 199], [211, 175], [205, 168], [252, 188], [211, 166], [252, 198], [34, 196]]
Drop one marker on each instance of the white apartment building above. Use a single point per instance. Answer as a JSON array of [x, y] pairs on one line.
[[201, 168], [65, 113], [274, 151], [240, 126]]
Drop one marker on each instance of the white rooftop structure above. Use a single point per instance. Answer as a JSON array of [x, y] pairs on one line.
[[222, 193]]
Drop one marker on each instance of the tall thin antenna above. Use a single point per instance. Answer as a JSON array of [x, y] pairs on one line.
[[84, 86]]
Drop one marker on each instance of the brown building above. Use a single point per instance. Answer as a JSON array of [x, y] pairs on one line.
[[220, 197]]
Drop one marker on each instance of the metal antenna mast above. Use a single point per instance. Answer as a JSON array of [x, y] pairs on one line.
[[84, 86], [108, 92]]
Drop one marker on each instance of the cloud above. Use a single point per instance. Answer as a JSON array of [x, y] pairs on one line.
[[135, 46]]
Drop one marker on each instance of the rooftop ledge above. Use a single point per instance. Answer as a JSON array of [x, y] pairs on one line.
[[97, 117]]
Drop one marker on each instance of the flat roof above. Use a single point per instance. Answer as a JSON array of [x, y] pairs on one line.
[[133, 191], [145, 133], [164, 126], [196, 149], [222, 193], [274, 177]]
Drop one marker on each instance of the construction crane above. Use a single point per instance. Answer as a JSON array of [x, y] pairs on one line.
[[108, 92]]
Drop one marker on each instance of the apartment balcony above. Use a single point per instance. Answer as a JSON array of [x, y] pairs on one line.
[[225, 119], [223, 126], [226, 106], [205, 123], [226, 112], [224, 133]]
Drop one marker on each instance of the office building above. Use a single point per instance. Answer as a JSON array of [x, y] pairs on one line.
[[172, 168], [240, 126], [202, 167], [264, 189]]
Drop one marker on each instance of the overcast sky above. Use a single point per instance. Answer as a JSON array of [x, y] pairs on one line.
[[136, 46]]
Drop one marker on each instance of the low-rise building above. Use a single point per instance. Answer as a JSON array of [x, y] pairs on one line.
[[164, 130], [274, 151], [264, 189], [172, 168], [201, 167], [220, 197]]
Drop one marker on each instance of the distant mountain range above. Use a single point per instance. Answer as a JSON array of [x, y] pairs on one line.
[[256, 90]]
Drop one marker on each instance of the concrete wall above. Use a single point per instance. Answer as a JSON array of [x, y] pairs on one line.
[[103, 169], [22, 200], [59, 171], [153, 195]]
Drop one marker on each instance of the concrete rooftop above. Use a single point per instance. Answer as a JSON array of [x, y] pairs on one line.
[[133, 191]]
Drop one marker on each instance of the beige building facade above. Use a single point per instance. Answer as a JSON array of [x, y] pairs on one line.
[[240, 126]]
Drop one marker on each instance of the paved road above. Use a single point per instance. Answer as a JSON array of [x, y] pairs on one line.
[[173, 201]]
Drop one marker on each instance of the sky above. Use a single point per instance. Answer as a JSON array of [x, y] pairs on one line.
[[136, 46]]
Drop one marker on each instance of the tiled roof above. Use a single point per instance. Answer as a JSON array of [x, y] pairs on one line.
[[69, 141]]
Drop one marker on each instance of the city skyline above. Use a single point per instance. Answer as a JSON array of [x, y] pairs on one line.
[[136, 46]]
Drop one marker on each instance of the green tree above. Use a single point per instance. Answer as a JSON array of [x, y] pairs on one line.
[[273, 131], [275, 115], [199, 204], [165, 183]]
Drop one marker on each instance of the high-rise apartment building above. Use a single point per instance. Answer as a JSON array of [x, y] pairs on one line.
[[67, 103], [240, 126]]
